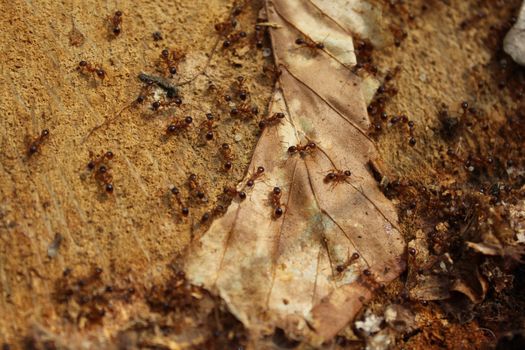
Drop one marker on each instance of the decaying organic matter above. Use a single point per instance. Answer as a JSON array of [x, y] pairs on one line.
[[292, 265]]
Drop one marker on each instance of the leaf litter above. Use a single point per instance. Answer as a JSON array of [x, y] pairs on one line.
[[309, 267]]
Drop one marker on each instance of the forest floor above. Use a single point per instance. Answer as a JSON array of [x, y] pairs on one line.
[[81, 263]]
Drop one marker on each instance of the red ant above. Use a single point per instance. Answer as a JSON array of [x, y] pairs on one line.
[[102, 174], [302, 149], [243, 92], [271, 72], [337, 176], [271, 120], [342, 267], [145, 91], [216, 211], [195, 188], [225, 27], [220, 96], [307, 42], [171, 60], [275, 201], [161, 104], [208, 126], [34, 146], [85, 67], [179, 125], [233, 38], [227, 155], [259, 36], [233, 192], [116, 23], [257, 174], [245, 111], [184, 209]]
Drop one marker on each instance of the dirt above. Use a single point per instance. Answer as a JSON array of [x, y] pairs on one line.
[[114, 266], [135, 232]]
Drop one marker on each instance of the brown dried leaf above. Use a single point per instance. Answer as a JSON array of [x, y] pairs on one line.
[[296, 272]]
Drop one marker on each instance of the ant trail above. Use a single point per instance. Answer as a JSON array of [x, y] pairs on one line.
[[329, 216], [278, 240], [309, 38], [332, 107]]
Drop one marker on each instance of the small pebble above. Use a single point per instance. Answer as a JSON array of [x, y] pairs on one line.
[[267, 52]]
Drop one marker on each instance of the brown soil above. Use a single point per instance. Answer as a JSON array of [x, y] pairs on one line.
[[451, 54], [135, 232]]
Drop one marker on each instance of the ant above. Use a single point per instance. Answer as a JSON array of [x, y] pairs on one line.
[[237, 8], [245, 111], [208, 125], [101, 174], [215, 212], [271, 120], [275, 201], [227, 155], [184, 209], [85, 67], [171, 60], [243, 92], [337, 176], [307, 42], [195, 188], [116, 23], [226, 27], [259, 36], [161, 104], [302, 149], [342, 267], [233, 192], [34, 146], [233, 38], [179, 125], [145, 91], [271, 72], [258, 173]]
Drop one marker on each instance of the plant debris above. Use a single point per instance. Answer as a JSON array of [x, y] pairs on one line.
[[299, 225]]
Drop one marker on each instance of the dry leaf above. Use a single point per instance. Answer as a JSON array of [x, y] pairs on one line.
[[310, 270], [435, 277]]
